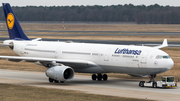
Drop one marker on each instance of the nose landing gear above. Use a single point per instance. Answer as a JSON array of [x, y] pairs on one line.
[[151, 83], [99, 77], [152, 77]]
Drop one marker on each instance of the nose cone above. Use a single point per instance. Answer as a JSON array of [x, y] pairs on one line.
[[169, 63]]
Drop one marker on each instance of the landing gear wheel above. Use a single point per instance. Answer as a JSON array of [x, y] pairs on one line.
[[105, 77], [61, 81], [51, 80], [99, 77], [56, 81], [141, 84], [94, 77], [154, 85]]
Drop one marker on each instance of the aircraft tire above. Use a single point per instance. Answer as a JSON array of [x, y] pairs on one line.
[[105, 77], [51, 80], [141, 84], [154, 85], [56, 81], [61, 81], [99, 77], [94, 77]]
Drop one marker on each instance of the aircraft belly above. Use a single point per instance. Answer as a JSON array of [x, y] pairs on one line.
[[90, 70], [156, 70], [118, 69], [123, 70]]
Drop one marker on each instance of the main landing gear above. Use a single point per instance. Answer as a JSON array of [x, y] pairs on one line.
[[55, 81], [99, 77]]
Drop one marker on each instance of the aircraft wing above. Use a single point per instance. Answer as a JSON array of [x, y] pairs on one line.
[[69, 62]]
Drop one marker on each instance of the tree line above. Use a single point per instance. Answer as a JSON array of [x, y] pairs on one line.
[[141, 14]]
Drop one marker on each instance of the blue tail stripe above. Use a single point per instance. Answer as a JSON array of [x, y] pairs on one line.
[[14, 28]]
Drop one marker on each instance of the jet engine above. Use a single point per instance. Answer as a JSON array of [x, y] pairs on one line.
[[60, 73]]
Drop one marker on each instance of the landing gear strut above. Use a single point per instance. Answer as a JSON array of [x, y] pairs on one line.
[[152, 77], [99, 77]]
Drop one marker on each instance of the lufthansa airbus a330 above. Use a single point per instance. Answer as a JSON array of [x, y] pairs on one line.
[[62, 59]]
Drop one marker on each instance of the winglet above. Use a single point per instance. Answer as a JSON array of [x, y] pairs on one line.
[[164, 44]]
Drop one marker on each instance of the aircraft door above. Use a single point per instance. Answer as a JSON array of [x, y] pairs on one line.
[[106, 56], [143, 61], [58, 53], [22, 50]]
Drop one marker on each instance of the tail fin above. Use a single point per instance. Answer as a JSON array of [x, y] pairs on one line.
[[14, 28]]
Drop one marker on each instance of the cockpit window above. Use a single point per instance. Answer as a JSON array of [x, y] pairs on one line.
[[162, 57], [166, 57], [159, 57]]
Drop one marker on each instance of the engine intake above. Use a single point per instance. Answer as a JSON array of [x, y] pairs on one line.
[[60, 73]]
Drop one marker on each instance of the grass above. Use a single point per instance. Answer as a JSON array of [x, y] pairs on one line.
[[104, 27], [4, 64], [118, 38], [101, 27], [27, 93]]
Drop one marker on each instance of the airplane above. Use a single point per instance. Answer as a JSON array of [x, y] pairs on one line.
[[63, 59]]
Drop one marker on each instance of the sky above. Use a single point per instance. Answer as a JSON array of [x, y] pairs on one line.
[[89, 2]]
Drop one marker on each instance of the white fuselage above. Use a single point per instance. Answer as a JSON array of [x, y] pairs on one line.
[[127, 59]]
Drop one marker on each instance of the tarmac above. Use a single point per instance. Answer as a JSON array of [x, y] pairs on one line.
[[112, 87]]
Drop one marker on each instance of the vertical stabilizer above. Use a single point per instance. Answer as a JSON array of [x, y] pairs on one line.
[[14, 28]]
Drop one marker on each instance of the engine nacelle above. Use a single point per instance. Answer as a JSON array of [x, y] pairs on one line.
[[60, 73]]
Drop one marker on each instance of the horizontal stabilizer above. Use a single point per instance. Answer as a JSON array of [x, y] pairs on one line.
[[4, 45], [37, 39]]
